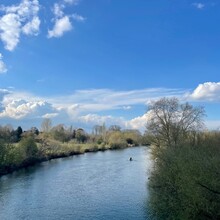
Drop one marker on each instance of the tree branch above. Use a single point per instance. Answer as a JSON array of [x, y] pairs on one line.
[[211, 190]]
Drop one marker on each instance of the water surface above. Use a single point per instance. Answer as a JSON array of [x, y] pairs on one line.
[[102, 185]]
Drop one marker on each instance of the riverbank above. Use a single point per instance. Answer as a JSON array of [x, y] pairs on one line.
[[57, 150]]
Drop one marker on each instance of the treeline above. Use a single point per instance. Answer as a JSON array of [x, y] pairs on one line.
[[185, 179], [20, 148]]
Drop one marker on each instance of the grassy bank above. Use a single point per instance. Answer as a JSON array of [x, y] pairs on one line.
[[32, 148]]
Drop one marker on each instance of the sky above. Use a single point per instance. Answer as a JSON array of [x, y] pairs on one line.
[[83, 62]]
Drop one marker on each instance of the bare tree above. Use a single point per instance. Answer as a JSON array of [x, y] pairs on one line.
[[171, 122], [46, 125]]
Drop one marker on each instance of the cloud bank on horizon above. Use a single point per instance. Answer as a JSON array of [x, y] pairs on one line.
[[85, 107]]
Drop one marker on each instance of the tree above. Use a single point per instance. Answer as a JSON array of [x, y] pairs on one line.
[[46, 125], [99, 132], [5, 133], [3, 152], [81, 136], [59, 133], [18, 133], [116, 140], [34, 131], [28, 147], [114, 128], [171, 123]]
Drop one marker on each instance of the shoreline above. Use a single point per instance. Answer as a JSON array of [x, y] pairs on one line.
[[33, 161]]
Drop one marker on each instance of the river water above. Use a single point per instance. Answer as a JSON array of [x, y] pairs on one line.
[[102, 186]]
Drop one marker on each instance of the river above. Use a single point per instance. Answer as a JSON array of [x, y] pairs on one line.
[[96, 186]]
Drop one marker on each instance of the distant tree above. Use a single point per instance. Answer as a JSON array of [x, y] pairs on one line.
[[3, 152], [116, 140], [96, 130], [59, 133], [114, 128], [5, 133], [81, 136], [46, 125], [34, 131], [18, 133], [133, 137], [171, 122]]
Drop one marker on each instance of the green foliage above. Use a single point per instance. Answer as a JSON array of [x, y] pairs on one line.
[[132, 137], [28, 147], [81, 136], [116, 139], [20, 149], [185, 181], [61, 134], [3, 152], [19, 132]]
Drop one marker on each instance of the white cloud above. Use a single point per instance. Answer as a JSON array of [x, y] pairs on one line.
[[86, 108], [140, 122], [74, 2], [19, 109], [198, 5], [94, 119], [82, 107], [62, 22], [128, 107], [20, 18], [10, 31], [209, 91], [58, 10], [61, 26], [50, 115], [78, 17], [3, 68], [32, 27]]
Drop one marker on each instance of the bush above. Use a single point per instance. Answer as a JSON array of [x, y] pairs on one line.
[[28, 147], [185, 182], [117, 140]]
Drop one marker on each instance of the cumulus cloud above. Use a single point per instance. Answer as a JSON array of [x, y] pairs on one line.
[[19, 109], [18, 19], [62, 22], [32, 27], [138, 123], [208, 91], [3, 68], [61, 26], [198, 5]]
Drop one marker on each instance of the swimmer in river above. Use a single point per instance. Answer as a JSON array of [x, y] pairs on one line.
[[130, 159]]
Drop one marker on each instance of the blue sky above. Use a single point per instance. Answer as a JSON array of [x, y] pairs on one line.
[[84, 62]]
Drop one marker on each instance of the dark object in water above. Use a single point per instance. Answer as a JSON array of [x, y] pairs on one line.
[[130, 159]]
